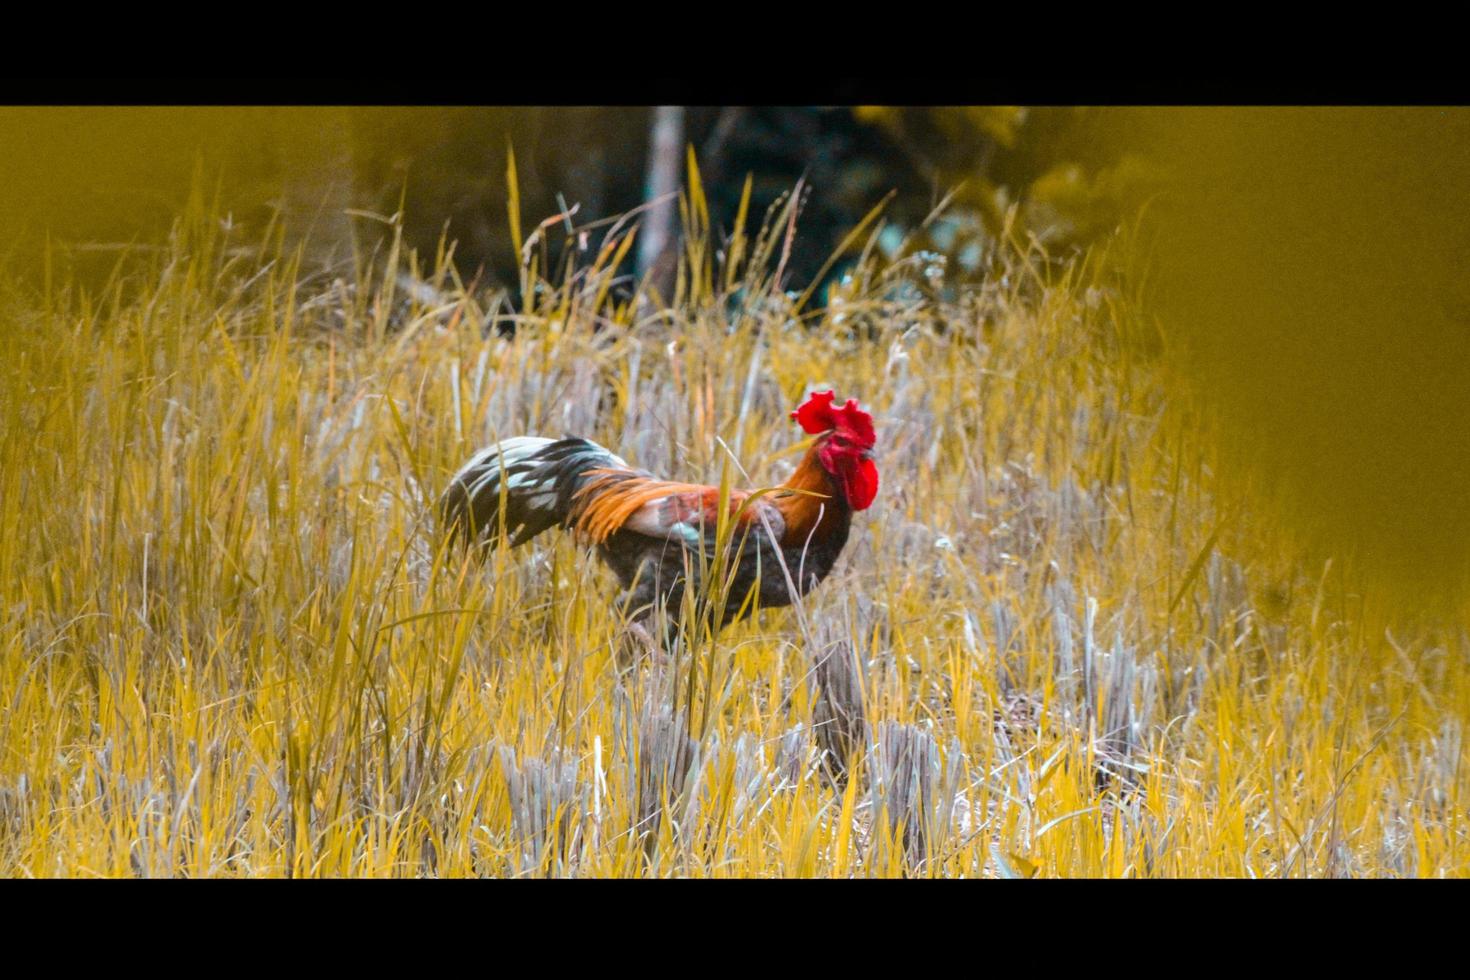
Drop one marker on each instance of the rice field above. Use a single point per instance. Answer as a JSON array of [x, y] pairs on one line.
[[1061, 643]]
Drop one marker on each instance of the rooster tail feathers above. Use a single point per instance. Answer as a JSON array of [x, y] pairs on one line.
[[471, 506], [519, 486]]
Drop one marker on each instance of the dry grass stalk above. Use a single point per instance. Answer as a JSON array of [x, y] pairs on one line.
[[839, 716], [664, 755], [545, 794], [913, 791]]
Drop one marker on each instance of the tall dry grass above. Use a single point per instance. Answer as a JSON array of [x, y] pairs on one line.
[[1055, 646]]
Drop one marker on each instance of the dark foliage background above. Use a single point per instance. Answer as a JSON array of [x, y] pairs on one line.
[[94, 176]]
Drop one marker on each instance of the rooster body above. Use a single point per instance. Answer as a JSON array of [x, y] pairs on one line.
[[655, 534]]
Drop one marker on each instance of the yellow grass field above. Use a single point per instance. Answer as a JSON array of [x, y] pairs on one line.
[[231, 643]]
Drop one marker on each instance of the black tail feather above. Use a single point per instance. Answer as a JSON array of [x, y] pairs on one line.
[[520, 487]]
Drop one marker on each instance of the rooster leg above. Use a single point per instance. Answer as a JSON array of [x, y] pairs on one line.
[[638, 643]]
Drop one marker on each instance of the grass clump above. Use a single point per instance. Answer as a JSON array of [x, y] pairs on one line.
[[230, 643]]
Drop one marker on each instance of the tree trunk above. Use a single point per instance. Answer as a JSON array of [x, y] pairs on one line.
[[657, 256]]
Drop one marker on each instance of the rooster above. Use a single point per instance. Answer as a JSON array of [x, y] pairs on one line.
[[644, 528]]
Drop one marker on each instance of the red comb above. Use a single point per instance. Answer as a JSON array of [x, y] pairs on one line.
[[818, 415]]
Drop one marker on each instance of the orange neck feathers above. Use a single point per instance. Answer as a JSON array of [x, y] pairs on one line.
[[808, 516]]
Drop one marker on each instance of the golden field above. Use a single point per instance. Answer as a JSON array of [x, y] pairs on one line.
[[231, 643]]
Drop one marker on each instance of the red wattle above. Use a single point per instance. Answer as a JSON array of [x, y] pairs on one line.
[[860, 483]]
